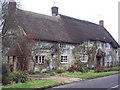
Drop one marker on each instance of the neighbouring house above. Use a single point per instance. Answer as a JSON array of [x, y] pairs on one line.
[[57, 41]]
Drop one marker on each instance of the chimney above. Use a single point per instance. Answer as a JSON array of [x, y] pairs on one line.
[[101, 22], [54, 11], [11, 7]]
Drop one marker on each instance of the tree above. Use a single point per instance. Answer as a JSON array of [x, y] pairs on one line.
[[4, 10]]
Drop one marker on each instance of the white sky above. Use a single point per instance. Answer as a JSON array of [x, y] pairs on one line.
[[90, 10]]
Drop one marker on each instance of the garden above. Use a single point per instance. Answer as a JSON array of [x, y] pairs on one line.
[[21, 79]]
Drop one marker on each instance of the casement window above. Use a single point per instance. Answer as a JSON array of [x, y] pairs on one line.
[[63, 59], [62, 45], [109, 58], [40, 59], [86, 43], [84, 58], [99, 44], [108, 45]]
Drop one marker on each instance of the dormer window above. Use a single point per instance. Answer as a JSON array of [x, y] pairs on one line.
[[108, 45], [99, 44], [62, 45]]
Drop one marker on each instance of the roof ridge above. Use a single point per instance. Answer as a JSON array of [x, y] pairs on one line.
[[79, 19]]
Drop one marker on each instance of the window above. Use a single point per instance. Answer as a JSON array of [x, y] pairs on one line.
[[109, 58], [108, 45], [62, 45], [63, 59], [84, 58], [8, 60], [86, 43], [40, 59], [99, 44]]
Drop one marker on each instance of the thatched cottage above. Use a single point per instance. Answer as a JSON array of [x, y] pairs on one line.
[[57, 40]]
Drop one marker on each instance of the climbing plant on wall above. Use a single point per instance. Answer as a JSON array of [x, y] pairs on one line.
[[85, 49]]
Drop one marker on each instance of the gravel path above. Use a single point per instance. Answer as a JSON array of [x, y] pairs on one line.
[[58, 79]]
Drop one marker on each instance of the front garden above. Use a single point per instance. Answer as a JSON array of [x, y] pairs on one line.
[[33, 84], [87, 75], [20, 79]]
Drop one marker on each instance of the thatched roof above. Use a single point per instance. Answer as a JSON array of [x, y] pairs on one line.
[[62, 28]]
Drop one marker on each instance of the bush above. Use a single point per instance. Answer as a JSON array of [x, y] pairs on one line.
[[83, 70], [60, 71], [72, 69], [52, 74], [5, 73], [99, 69], [77, 66], [19, 76]]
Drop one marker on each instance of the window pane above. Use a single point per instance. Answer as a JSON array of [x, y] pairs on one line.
[[36, 59], [39, 59], [63, 58], [43, 58]]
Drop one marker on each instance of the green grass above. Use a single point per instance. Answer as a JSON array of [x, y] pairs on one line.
[[118, 67], [33, 84], [88, 75], [48, 74], [91, 75]]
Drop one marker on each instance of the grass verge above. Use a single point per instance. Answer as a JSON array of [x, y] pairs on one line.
[[91, 75], [118, 67], [33, 84]]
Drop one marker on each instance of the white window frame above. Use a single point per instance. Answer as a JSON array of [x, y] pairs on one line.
[[99, 44], [63, 59], [40, 61], [86, 43], [62, 45], [84, 58], [108, 45], [109, 58]]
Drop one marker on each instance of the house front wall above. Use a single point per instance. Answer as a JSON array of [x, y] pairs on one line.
[[54, 52]]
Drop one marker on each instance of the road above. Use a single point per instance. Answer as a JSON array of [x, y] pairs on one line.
[[108, 82]]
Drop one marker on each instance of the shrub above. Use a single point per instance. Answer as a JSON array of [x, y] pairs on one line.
[[60, 71], [77, 66], [5, 73], [52, 74], [19, 76], [83, 70], [99, 69], [72, 69]]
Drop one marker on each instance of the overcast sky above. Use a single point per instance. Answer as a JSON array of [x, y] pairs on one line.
[[90, 10]]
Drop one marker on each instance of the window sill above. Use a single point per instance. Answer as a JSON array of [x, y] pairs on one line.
[[64, 62], [40, 63], [84, 61]]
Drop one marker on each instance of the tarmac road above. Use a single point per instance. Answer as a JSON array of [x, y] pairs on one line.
[[111, 82]]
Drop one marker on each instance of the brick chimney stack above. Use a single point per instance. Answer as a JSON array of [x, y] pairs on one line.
[[11, 7], [101, 22], [54, 11]]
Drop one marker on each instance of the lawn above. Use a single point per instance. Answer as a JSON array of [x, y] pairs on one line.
[[47, 83], [82, 75], [33, 84], [114, 68], [91, 75]]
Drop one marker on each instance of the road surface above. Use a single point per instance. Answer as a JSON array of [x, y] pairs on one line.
[[108, 83]]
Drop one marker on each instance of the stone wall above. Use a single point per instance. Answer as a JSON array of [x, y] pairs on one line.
[[46, 48]]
